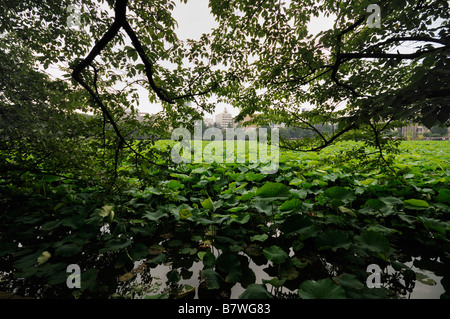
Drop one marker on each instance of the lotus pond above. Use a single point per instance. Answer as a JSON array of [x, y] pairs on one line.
[[227, 230]]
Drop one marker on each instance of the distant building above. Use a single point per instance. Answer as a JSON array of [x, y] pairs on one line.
[[413, 131], [224, 119]]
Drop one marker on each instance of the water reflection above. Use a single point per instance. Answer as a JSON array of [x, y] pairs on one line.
[[426, 284]]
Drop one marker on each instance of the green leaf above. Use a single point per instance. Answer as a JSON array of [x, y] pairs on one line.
[[246, 196], [435, 224], [199, 170], [186, 292], [51, 225], [300, 193], [374, 242], [74, 221], [181, 176], [68, 250], [322, 289], [264, 207], [275, 254], [155, 216], [185, 213], [158, 296], [424, 279], [444, 196], [240, 218], [208, 204], [295, 223], [255, 291], [333, 239], [298, 263], [27, 261], [209, 260], [173, 276], [390, 200], [115, 245], [340, 194], [88, 279], [138, 251], [43, 258], [174, 184], [152, 190], [290, 205], [375, 204], [189, 251], [161, 258], [212, 279], [58, 273], [260, 238], [347, 211], [297, 245], [367, 182], [382, 229], [416, 204], [106, 212], [201, 255], [296, 181], [348, 281], [407, 218], [230, 264], [275, 282], [273, 191], [252, 176]]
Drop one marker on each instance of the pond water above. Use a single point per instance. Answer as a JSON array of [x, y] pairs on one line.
[[236, 290], [427, 284]]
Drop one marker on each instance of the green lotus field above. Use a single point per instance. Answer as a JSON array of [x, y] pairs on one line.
[[229, 230]]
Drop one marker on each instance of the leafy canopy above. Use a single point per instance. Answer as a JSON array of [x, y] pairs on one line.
[[261, 58]]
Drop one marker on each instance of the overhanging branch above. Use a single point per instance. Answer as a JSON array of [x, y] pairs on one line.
[[326, 142], [120, 21], [160, 92], [382, 55]]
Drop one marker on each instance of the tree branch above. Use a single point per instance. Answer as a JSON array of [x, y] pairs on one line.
[[382, 55], [76, 74], [312, 127], [339, 58], [402, 39], [120, 12], [326, 142], [160, 92]]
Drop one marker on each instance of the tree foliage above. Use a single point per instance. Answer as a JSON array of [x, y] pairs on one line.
[[353, 74], [261, 58]]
